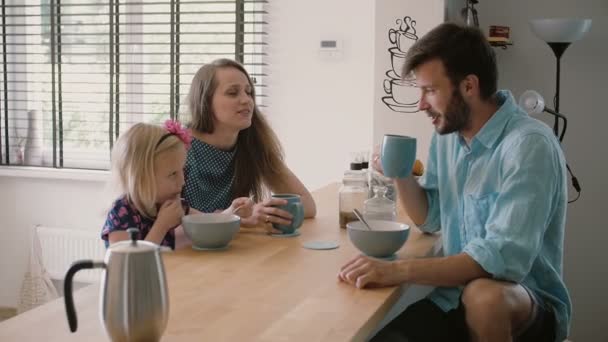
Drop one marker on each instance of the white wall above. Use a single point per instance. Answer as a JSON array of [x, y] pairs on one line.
[[26, 202], [321, 108], [530, 64], [324, 108]]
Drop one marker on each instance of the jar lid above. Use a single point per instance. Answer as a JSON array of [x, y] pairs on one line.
[[356, 166]]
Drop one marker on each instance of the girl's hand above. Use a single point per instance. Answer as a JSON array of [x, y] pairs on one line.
[[170, 214], [265, 214], [242, 206]]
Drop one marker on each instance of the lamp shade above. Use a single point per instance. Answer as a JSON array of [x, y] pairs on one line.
[[560, 30], [532, 102]]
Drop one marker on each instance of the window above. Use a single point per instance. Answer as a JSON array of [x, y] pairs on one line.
[[77, 73]]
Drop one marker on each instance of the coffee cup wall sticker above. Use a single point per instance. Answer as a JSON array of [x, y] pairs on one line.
[[401, 92]]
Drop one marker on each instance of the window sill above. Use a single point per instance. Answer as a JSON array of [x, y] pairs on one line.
[[50, 173]]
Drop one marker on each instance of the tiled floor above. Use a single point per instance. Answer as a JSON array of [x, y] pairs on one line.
[[6, 313]]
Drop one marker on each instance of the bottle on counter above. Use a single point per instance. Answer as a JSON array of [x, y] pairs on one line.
[[365, 160], [353, 193], [356, 163]]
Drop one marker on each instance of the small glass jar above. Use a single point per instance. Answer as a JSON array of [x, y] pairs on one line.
[[352, 195], [378, 179], [379, 207]]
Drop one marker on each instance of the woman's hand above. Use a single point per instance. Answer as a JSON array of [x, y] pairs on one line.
[[265, 214], [242, 207]]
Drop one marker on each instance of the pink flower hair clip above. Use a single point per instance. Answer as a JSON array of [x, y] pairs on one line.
[[175, 128]]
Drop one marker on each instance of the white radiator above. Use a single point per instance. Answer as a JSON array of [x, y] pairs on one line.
[[61, 247]]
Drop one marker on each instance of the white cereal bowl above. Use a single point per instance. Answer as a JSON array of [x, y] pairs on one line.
[[211, 231], [383, 241]]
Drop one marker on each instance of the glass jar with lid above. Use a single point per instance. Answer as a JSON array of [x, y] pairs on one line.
[[378, 179], [379, 207], [352, 195]]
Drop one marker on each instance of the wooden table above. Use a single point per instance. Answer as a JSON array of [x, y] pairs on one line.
[[262, 288]]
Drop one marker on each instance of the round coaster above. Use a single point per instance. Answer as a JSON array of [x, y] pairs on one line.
[[209, 249], [320, 245], [294, 234]]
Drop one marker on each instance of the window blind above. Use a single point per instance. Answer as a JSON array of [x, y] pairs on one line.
[[77, 73]]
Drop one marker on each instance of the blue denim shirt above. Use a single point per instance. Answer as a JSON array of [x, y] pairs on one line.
[[502, 200]]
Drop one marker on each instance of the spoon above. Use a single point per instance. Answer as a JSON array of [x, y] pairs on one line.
[[242, 206], [360, 217]]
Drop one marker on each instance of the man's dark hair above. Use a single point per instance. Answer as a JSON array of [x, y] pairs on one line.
[[463, 51]]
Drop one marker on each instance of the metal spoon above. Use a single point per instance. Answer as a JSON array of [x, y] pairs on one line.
[[360, 217], [241, 206]]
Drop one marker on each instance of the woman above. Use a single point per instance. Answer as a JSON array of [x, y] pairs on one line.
[[235, 152]]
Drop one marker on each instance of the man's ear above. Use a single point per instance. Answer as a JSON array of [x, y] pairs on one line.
[[469, 86]]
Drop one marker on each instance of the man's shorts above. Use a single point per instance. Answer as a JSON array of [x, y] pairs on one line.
[[425, 321]]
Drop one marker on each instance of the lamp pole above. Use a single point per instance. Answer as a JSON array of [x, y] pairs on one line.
[[558, 50]]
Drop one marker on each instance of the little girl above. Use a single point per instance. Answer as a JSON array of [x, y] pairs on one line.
[[148, 163]]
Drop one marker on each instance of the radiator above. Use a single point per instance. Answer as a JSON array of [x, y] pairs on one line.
[[61, 247]]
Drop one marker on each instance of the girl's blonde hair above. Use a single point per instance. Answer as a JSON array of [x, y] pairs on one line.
[[133, 158], [259, 156]]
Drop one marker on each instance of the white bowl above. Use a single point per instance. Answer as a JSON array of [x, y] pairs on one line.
[[211, 231], [384, 240]]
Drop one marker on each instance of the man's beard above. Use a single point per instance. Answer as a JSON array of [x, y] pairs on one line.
[[456, 117]]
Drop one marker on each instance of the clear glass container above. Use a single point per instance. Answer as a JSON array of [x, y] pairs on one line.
[[379, 207], [378, 179], [352, 195]]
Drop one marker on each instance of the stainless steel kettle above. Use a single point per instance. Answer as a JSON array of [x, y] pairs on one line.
[[134, 300]]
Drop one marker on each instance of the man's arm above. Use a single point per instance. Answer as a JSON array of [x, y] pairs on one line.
[[413, 198], [451, 271], [421, 200]]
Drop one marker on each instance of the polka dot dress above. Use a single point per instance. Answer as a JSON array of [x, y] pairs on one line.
[[209, 173]]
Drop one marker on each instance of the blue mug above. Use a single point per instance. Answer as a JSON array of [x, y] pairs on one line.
[[398, 155], [294, 207]]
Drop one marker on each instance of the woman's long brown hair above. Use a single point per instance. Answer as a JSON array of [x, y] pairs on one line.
[[258, 161]]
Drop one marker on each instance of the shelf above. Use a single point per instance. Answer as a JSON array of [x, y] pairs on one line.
[[501, 44]]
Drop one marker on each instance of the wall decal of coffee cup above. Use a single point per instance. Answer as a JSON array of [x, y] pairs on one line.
[[402, 93], [405, 35], [400, 90], [397, 61]]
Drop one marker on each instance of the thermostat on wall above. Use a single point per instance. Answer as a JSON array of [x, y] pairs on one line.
[[329, 44], [330, 49]]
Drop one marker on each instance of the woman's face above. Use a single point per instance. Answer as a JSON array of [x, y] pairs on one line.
[[232, 101]]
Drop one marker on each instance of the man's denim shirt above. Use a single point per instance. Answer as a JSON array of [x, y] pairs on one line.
[[502, 200]]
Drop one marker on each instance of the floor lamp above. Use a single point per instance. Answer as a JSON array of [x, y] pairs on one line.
[[559, 33]]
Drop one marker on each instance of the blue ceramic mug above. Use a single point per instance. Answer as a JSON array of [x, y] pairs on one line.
[[398, 155], [294, 207]]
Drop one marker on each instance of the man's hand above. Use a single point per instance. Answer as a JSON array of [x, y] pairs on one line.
[[376, 163], [363, 272]]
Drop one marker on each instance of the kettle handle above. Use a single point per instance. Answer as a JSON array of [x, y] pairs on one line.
[[67, 288]]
